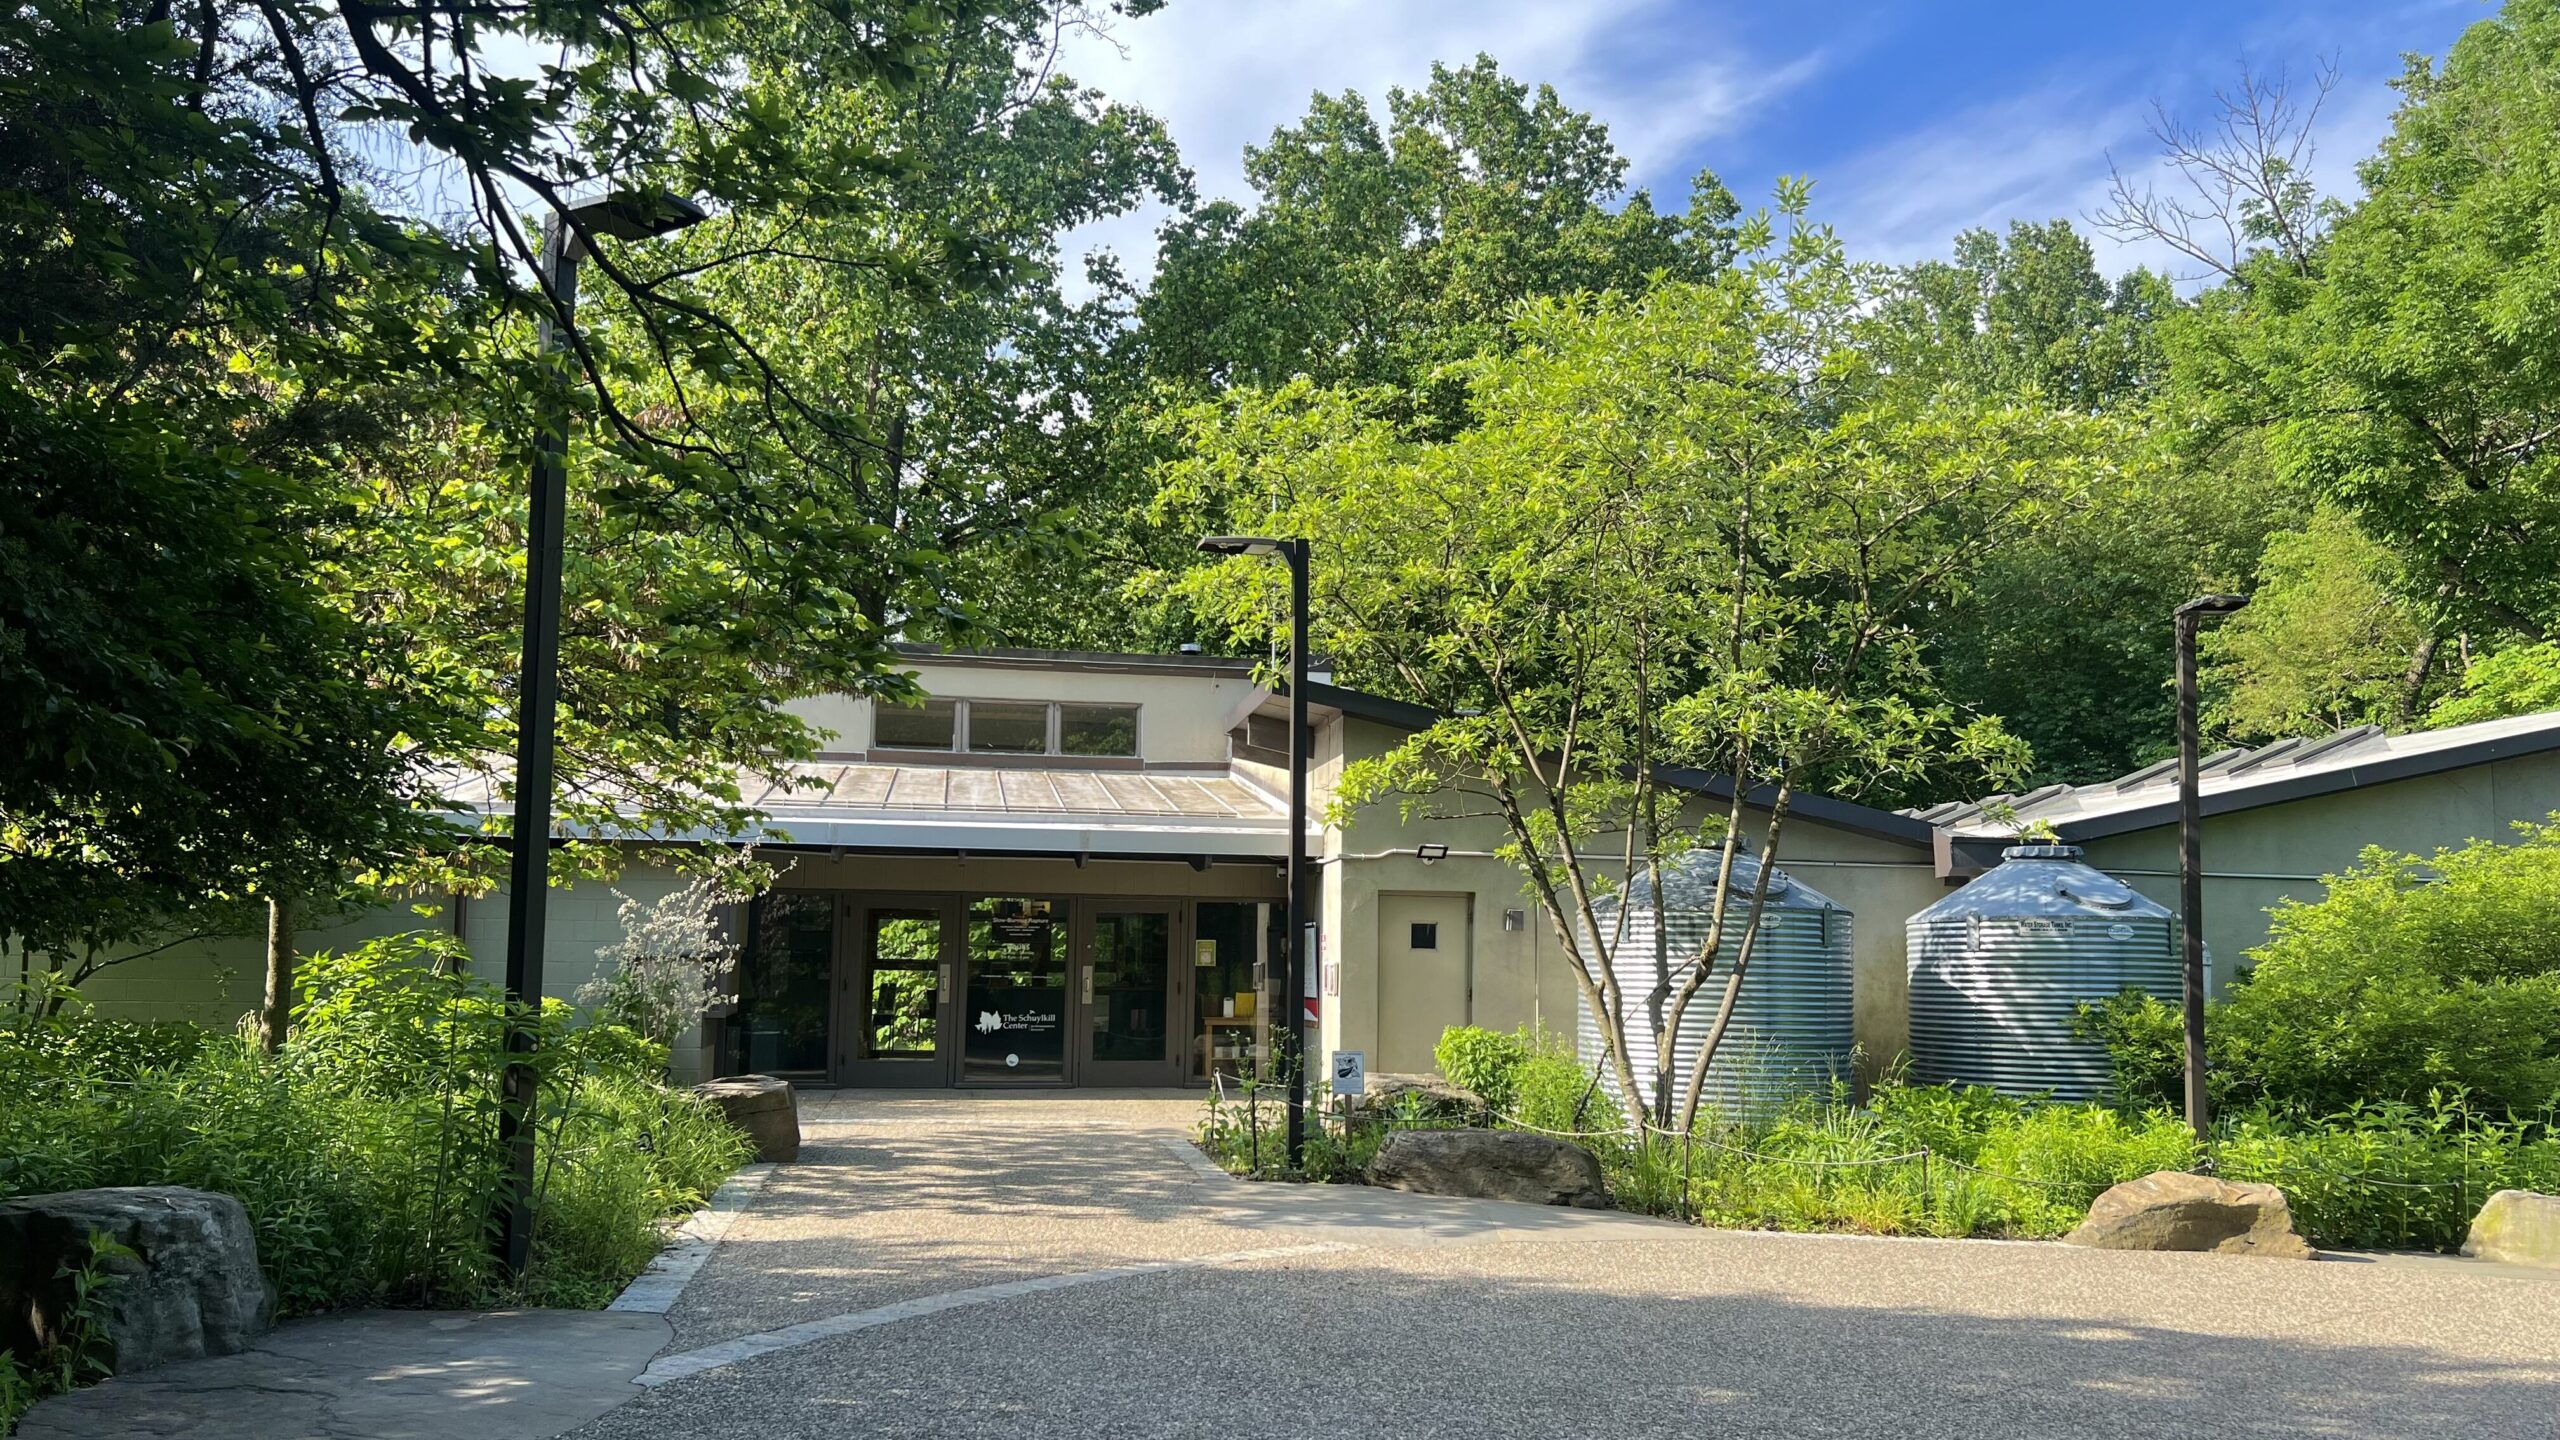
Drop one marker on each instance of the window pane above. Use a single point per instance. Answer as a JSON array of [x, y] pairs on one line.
[[781, 1025], [906, 969], [1008, 728], [1098, 729], [913, 727]]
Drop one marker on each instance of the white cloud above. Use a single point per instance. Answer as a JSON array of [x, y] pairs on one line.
[[1222, 74], [2045, 152]]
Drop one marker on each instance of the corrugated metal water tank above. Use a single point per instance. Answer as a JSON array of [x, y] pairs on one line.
[[1794, 1024], [2000, 969]]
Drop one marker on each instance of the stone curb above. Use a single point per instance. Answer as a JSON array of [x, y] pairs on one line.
[[654, 1291]]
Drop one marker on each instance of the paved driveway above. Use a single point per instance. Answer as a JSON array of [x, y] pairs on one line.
[[1008, 1267]]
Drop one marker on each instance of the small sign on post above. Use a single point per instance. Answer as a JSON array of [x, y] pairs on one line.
[[1350, 1072]]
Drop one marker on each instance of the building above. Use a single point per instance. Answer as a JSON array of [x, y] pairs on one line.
[[2280, 817], [1066, 869]]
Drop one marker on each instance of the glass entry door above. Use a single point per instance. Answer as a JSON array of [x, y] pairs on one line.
[[1132, 998], [898, 1014], [1015, 1018]]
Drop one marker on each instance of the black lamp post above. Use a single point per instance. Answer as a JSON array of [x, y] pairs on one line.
[[2190, 868], [1294, 967], [624, 217]]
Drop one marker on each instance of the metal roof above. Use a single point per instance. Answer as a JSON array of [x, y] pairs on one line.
[[987, 809], [2244, 779]]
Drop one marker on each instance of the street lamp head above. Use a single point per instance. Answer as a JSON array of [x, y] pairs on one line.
[[2213, 605], [1241, 545], [637, 215]]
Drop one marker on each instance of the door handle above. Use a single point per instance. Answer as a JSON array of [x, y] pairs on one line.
[[1088, 984], [946, 985]]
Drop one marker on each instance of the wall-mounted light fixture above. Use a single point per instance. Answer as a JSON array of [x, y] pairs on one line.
[[1430, 853]]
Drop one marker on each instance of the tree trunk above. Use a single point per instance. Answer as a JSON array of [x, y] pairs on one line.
[[2413, 683], [277, 1015]]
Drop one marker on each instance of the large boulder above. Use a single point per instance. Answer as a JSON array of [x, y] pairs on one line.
[[186, 1285], [1490, 1165], [2174, 1210], [766, 1110], [1438, 1099], [2517, 1227]]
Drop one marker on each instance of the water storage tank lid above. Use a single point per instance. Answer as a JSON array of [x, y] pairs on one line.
[[1689, 884]]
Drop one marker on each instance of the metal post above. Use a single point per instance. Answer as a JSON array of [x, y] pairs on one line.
[[1293, 996], [2190, 866], [537, 700]]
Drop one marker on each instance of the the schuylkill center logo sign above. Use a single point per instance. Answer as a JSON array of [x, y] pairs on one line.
[[990, 1021]]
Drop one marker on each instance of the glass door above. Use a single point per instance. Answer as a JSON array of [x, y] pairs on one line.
[[897, 1013], [785, 982], [1015, 1018], [1131, 998]]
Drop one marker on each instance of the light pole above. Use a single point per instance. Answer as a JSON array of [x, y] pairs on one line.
[[624, 217], [2187, 618], [1293, 967]]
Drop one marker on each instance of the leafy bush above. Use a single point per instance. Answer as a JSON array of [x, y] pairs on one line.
[[2388, 1176], [1556, 1093], [2409, 978], [1964, 1161], [366, 1152], [1526, 1074], [1485, 1061]]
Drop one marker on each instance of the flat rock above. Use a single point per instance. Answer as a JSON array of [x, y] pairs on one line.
[[2174, 1210], [2517, 1227], [190, 1287], [1490, 1165], [1438, 1099], [765, 1109]]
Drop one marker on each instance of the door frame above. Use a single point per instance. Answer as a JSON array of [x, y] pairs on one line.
[[853, 969], [1175, 1068]]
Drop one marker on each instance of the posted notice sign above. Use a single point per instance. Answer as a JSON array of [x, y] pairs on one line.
[[1350, 1072]]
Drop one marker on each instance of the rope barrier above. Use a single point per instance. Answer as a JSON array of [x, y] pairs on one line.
[[1924, 1155]]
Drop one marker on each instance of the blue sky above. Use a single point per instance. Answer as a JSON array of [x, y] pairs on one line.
[[1914, 120]]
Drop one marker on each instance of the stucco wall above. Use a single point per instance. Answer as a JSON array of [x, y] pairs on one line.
[[1182, 718], [1525, 976], [218, 982], [2254, 859]]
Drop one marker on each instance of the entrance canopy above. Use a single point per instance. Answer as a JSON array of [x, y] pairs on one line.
[[994, 810]]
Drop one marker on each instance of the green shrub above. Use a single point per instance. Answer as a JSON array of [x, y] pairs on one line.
[[366, 1152], [2408, 978], [2388, 1176], [1485, 1061]]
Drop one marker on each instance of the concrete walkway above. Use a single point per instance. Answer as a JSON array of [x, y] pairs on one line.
[[1011, 1266]]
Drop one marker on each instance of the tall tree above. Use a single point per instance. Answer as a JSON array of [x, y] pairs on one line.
[[268, 407], [1694, 528], [2392, 358], [1373, 252], [2063, 632], [1376, 254]]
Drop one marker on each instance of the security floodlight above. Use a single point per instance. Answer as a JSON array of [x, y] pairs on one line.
[[1429, 852], [1242, 545], [2212, 605], [636, 215]]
